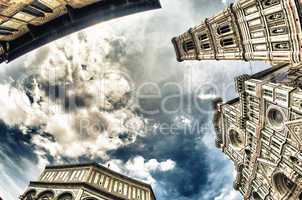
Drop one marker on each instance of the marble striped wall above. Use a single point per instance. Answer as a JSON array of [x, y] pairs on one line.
[[72, 175], [119, 187], [105, 181]]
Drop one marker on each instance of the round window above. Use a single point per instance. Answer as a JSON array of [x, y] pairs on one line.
[[282, 183], [236, 139], [276, 118]]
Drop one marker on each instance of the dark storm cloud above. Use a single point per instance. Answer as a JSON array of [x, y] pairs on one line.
[[189, 175], [118, 51], [16, 154], [182, 145], [15, 144], [58, 93]]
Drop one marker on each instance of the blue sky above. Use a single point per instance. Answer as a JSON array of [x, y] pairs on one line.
[[118, 72]]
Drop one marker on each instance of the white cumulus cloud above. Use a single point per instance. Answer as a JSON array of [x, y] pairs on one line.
[[140, 168]]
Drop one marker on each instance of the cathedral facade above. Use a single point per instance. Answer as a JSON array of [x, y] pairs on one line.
[[261, 130], [28, 24], [86, 182], [268, 30]]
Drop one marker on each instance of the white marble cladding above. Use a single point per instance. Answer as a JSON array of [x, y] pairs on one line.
[[64, 175], [118, 186], [269, 133], [56, 191], [105, 181], [248, 30]]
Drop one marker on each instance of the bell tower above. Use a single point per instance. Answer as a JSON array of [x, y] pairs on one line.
[[267, 30]]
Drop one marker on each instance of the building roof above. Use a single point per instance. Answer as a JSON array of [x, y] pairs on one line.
[[104, 169], [28, 24]]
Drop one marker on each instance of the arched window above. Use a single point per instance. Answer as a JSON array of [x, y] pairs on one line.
[[188, 45], [205, 46], [282, 183], [281, 46], [275, 16], [47, 195], [270, 3], [223, 29], [227, 42], [279, 30], [203, 37], [29, 195], [65, 196]]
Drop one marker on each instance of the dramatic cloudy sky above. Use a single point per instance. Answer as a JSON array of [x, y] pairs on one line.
[[114, 93]]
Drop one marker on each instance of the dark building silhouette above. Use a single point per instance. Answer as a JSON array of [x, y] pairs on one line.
[[28, 24]]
